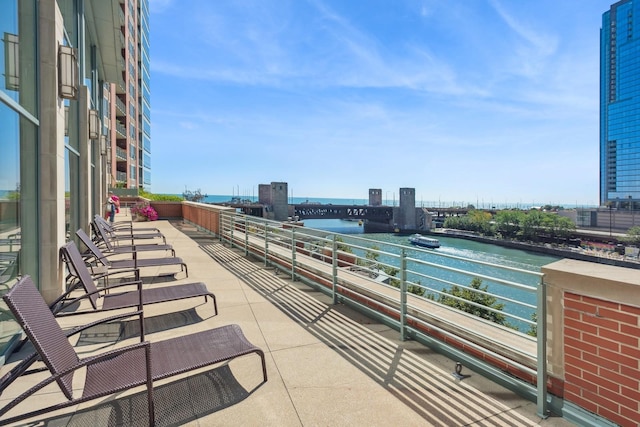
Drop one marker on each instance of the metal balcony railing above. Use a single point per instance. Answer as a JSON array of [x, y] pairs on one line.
[[121, 176], [121, 153], [409, 289], [121, 107], [121, 130]]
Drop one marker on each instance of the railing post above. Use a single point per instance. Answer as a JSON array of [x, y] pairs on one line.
[[334, 265], [541, 329], [293, 253], [223, 234], [233, 225], [246, 237], [266, 245], [403, 295]]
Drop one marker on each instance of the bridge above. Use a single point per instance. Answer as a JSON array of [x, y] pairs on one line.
[[313, 211], [273, 203]]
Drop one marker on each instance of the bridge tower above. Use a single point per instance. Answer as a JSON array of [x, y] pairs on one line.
[[264, 194], [405, 216], [279, 202], [375, 197]]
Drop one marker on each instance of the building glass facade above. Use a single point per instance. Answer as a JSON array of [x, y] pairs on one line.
[[620, 105], [19, 125], [53, 177]]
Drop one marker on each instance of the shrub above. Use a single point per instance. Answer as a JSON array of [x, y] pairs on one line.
[[144, 209]]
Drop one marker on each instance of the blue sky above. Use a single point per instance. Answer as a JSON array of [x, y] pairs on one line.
[[472, 101]]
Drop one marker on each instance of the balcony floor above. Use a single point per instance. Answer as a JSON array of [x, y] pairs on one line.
[[327, 365]]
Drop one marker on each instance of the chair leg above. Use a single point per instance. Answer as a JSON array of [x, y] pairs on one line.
[[151, 405]]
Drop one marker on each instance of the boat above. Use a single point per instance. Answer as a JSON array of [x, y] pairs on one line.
[[426, 242]]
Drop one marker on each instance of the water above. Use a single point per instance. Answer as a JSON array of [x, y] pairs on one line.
[[392, 199], [468, 249]]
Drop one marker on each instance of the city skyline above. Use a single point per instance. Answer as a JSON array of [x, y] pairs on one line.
[[488, 100]]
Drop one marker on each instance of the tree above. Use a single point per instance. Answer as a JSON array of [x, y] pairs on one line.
[[476, 294], [557, 226], [372, 256], [508, 223], [480, 221], [633, 236], [532, 224], [341, 246]]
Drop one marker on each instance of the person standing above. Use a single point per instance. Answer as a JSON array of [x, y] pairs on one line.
[[116, 201], [110, 211]]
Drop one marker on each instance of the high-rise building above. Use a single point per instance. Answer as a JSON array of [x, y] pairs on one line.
[[620, 105], [127, 103]]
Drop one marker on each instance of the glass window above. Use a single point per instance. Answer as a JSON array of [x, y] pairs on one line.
[[17, 53], [18, 159], [10, 231]]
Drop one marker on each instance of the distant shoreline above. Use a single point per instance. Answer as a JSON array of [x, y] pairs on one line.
[[541, 248]]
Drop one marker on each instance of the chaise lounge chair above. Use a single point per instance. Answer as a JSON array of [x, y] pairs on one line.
[[135, 263], [113, 371], [128, 233], [105, 241], [123, 299]]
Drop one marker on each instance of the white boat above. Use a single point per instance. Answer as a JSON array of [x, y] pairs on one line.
[[426, 242]]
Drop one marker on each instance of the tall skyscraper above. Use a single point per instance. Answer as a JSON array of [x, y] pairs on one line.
[[128, 118], [620, 105]]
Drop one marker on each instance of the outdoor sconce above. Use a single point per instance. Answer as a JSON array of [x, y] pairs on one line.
[[66, 120], [11, 62], [68, 72], [103, 145], [94, 124]]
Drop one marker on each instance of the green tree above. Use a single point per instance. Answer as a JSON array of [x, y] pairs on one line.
[[532, 225], [508, 223], [343, 246], [557, 226], [478, 295], [633, 236], [372, 255], [480, 221]]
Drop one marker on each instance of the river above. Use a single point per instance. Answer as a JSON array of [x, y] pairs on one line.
[[468, 249]]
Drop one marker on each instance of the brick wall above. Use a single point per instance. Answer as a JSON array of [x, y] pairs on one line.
[[167, 209], [602, 357]]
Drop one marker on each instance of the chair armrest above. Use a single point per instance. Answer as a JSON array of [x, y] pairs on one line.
[[77, 329], [142, 346]]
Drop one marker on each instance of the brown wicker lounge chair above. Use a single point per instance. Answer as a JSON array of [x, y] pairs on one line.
[[105, 241], [120, 299], [123, 225], [135, 263], [113, 371], [129, 233]]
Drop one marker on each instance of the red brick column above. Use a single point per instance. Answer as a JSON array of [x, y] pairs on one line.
[[602, 357]]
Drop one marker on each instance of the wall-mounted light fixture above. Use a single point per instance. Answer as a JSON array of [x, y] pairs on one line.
[[103, 145], [11, 61], [68, 78], [94, 124]]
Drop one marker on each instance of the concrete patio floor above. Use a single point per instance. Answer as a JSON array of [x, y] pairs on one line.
[[327, 365]]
